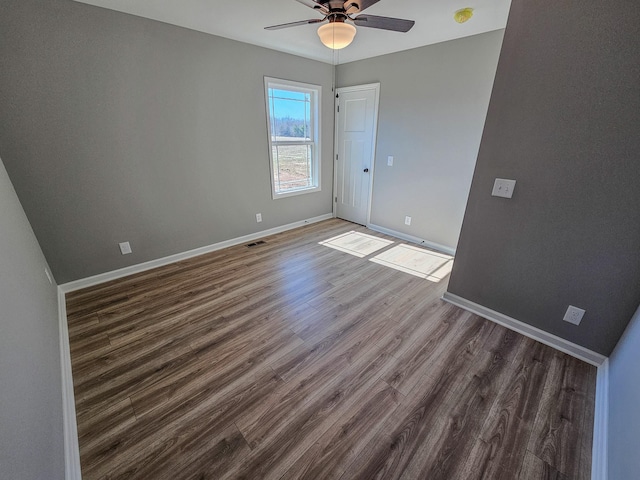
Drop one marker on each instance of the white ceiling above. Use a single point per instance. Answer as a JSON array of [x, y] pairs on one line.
[[244, 20]]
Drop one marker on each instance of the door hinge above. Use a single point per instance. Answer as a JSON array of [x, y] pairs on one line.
[[336, 156], [338, 108], [336, 200]]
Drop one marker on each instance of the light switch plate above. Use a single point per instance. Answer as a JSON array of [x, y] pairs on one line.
[[390, 161], [503, 187]]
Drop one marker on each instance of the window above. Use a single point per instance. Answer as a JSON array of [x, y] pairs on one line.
[[293, 122]]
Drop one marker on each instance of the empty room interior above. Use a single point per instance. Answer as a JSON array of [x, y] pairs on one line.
[[366, 239]]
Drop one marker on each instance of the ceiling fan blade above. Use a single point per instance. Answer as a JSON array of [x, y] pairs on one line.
[[385, 23], [362, 4], [294, 24], [316, 5]]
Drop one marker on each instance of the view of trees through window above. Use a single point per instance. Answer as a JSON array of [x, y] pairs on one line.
[[291, 127]]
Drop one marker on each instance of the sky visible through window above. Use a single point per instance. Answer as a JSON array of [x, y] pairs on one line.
[[290, 113]]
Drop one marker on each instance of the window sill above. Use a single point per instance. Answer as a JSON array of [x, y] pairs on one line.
[[294, 193]]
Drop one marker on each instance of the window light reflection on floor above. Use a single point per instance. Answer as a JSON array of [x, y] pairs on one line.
[[356, 243], [427, 264]]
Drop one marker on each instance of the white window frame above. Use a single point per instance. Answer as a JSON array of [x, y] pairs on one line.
[[316, 102]]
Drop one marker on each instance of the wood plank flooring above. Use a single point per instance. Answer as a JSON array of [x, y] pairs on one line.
[[293, 360]]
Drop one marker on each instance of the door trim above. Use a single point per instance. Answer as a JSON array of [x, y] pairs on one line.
[[374, 140]]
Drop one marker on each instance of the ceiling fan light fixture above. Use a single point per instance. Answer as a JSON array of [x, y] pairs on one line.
[[336, 35]]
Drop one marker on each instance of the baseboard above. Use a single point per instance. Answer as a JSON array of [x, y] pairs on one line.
[[71, 447], [600, 451], [160, 262], [527, 330], [410, 238]]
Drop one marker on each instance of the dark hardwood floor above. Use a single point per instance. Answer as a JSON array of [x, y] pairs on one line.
[[293, 359]]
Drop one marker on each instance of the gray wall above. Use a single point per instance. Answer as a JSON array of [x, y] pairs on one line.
[[116, 128], [563, 121], [624, 404], [433, 103], [31, 439]]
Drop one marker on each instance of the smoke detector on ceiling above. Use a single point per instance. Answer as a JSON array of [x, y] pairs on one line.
[[463, 15]]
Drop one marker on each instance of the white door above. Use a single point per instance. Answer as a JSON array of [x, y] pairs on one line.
[[356, 123]]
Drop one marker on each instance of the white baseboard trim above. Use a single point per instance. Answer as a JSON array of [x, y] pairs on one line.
[[70, 427], [410, 238], [527, 330], [160, 262], [600, 451]]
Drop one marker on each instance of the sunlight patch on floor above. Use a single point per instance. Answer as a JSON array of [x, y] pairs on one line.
[[356, 243], [416, 261]]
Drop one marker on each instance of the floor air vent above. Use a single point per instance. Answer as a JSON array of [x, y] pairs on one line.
[[254, 244]]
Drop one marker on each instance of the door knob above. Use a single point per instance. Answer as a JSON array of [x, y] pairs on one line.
[[366, 170]]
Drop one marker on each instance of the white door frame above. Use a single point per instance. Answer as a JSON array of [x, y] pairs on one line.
[[355, 88]]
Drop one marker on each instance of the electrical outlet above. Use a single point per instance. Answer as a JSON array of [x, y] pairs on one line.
[[573, 315], [503, 188], [390, 161], [407, 220], [258, 217], [125, 248]]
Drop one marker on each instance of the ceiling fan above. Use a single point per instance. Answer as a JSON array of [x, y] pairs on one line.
[[337, 33]]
